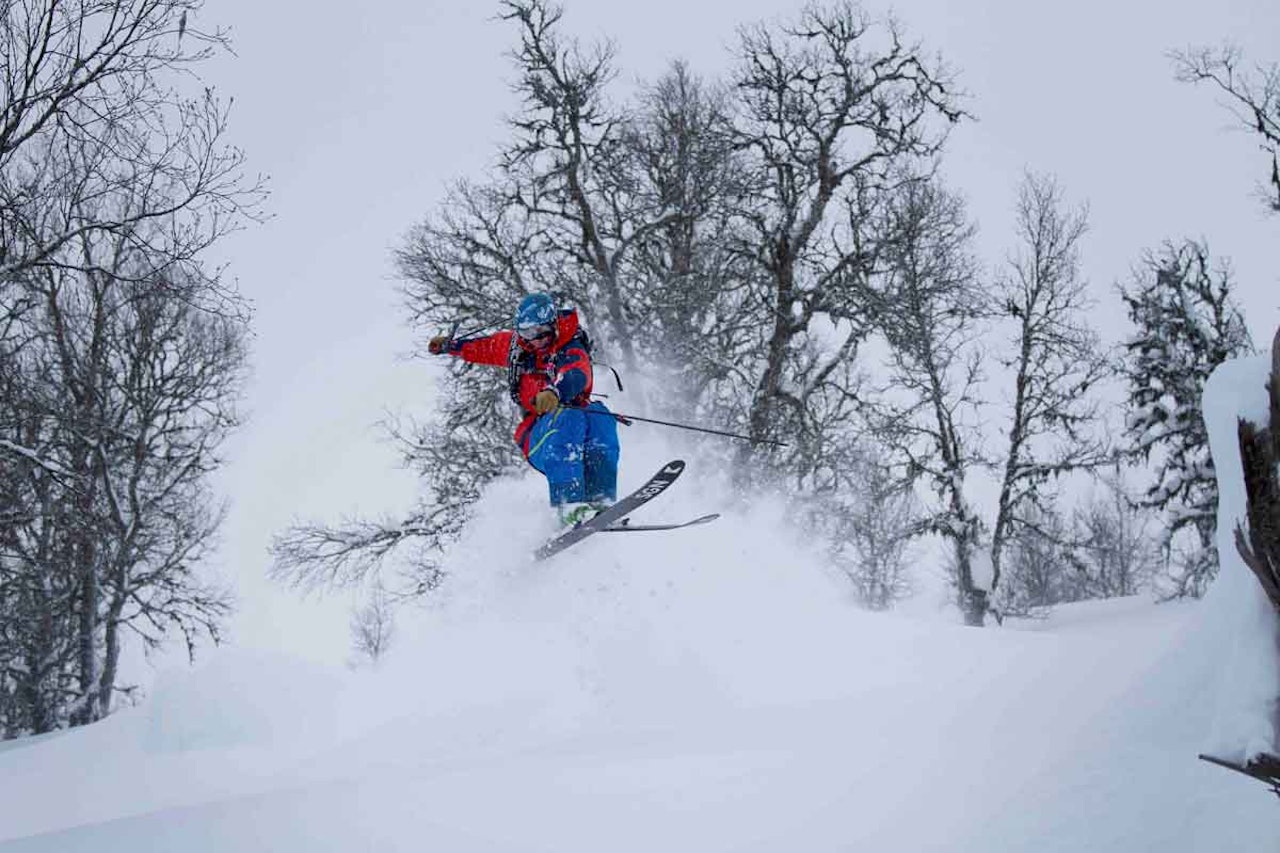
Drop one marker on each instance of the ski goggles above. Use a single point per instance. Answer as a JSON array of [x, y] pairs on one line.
[[535, 333]]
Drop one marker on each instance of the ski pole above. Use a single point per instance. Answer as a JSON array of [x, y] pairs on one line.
[[625, 419], [494, 322], [471, 332]]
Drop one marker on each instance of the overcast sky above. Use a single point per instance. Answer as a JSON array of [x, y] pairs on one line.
[[361, 118]]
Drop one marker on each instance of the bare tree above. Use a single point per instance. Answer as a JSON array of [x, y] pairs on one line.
[[568, 165], [92, 112], [931, 309], [1057, 359], [869, 526], [1253, 96], [834, 108], [1039, 571], [1118, 552], [1105, 548], [122, 352], [373, 626], [132, 392], [106, 132], [687, 288]]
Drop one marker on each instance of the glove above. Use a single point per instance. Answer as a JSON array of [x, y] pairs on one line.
[[546, 400], [438, 345]]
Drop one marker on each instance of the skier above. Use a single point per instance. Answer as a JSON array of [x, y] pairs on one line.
[[564, 435]]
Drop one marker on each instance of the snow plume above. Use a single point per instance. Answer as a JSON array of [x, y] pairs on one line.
[[621, 612], [1241, 621]]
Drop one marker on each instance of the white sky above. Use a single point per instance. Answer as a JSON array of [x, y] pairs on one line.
[[361, 119]]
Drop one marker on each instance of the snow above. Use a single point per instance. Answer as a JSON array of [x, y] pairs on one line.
[[1249, 629], [708, 689]]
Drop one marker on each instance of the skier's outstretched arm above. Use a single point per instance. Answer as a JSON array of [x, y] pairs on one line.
[[488, 349]]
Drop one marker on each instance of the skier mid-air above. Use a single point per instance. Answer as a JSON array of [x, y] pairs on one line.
[[572, 440]]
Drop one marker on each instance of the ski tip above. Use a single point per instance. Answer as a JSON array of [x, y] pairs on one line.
[[1265, 768]]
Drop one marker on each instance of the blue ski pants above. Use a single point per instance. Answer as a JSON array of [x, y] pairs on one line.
[[577, 450]]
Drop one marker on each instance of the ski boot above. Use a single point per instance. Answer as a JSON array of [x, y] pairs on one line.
[[573, 514]]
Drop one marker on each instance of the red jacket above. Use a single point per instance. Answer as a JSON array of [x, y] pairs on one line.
[[564, 366]]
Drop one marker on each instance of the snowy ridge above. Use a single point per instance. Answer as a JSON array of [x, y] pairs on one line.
[[710, 689]]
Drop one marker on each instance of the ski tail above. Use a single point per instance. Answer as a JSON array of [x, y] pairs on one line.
[[625, 526]]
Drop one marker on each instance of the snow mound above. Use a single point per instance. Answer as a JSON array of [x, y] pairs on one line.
[[1245, 627]]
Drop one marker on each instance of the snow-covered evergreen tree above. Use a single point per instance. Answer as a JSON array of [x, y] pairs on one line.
[[1186, 324]]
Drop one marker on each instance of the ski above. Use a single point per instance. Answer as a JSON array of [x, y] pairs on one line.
[[1264, 768], [625, 526], [655, 486]]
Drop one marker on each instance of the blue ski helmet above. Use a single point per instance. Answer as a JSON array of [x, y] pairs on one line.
[[536, 309]]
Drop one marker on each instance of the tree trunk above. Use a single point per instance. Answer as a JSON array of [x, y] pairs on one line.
[[40, 681], [87, 646], [975, 606], [85, 555], [1259, 455], [973, 601], [1017, 437], [111, 652], [783, 329]]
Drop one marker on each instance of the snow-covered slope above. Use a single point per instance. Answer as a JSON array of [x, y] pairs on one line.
[[709, 689]]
